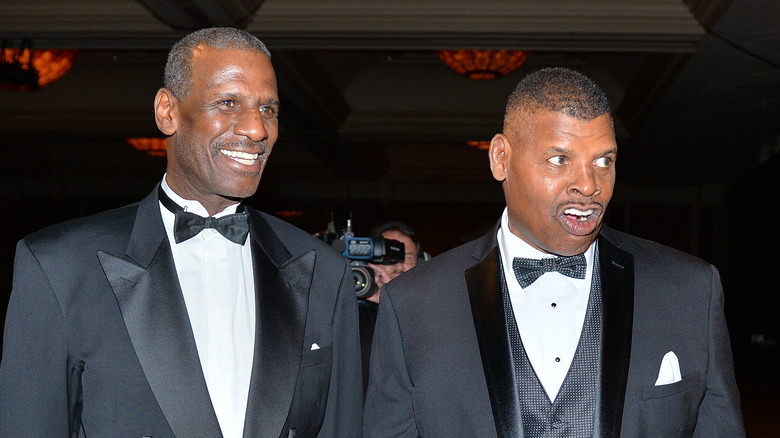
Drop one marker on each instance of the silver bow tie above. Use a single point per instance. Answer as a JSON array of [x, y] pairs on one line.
[[528, 270]]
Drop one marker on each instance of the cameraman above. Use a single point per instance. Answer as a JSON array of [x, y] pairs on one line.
[[382, 274]]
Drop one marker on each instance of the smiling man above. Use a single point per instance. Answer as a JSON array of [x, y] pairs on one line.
[[187, 314], [552, 324]]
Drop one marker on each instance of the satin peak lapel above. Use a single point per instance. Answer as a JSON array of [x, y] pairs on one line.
[[487, 307], [617, 289], [282, 306], [155, 315]]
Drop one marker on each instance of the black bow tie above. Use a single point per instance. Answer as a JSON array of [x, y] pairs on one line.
[[528, 270], [234, 227]]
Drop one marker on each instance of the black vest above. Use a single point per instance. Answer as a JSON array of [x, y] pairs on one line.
[[573, 412]]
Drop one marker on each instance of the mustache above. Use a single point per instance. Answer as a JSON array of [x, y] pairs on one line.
[[583, 205], [244, 146]]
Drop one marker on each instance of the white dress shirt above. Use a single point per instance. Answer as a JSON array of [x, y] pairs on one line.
[[216, 278], [550, 312]]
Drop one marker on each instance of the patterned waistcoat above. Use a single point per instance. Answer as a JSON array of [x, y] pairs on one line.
[[572, 414]]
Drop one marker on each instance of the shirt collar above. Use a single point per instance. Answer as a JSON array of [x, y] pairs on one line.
[[511, 246], [193, 206]]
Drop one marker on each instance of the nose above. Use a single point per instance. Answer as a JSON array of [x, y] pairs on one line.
[[585, 182], [251, 124]]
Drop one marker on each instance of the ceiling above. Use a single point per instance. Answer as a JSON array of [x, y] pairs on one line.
[[369, 112]]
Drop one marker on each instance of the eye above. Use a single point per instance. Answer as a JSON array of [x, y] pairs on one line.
[[558, 160], [228, 104], [269, 112], [603, 162]]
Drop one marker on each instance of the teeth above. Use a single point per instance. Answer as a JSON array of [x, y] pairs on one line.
[[241, 157], [583, 215]]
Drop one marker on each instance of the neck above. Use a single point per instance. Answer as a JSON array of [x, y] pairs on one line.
[[213, 204]]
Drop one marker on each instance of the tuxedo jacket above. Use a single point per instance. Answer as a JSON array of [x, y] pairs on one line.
[[441, 364], [98, 342]]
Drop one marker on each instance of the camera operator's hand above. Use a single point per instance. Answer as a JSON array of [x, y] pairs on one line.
[[385, 273]]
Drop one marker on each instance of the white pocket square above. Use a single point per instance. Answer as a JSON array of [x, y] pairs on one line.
[[314, 346], [670, 370]]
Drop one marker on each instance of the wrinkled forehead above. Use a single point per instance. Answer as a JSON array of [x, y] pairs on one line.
[[523, 118], [528, 127]]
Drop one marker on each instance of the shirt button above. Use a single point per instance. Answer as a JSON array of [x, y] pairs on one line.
[[557, 359], [553, 305]]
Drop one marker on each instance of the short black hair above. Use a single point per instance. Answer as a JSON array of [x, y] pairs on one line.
[[560, 90]]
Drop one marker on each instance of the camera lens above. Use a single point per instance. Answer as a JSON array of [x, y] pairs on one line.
[[364, 281]]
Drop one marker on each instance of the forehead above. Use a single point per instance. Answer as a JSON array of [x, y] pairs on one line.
[[214, 66], [533, 127]]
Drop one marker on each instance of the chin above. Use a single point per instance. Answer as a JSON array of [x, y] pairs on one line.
[[240, 191], [576, 248]]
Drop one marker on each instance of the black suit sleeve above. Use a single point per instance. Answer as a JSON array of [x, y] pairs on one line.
[[719, 412], [39, 389], [389, 408], [345, 397]]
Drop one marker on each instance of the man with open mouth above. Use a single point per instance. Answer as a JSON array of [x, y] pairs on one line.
[[553, 324]]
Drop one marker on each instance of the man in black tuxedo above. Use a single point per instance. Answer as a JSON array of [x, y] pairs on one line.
[[553, 325], [187, 314]]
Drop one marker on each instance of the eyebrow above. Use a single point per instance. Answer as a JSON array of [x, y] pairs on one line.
[[226, 95], [234, 95], [609, 151], [559, 150]]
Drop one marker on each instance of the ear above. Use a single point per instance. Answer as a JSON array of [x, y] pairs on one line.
[[499, 153], [165, 114]]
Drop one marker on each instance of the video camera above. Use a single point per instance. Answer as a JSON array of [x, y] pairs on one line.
[[363, 250]]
